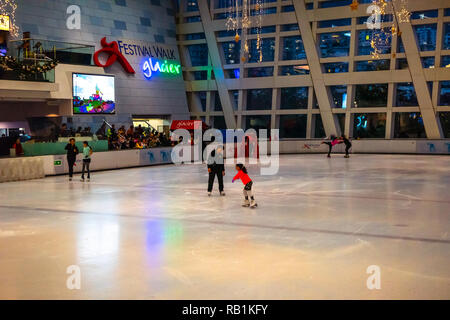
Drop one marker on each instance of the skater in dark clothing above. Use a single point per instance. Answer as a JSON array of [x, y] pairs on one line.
[[347, 143], [334, 141], [72, 152], [216, 167]]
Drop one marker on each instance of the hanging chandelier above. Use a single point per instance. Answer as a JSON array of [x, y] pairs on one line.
[[243, 16]]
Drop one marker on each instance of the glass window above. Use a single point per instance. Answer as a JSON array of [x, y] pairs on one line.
[[426, 36], [293, 48], [424, 14], [444, 117], [334, 3], [370, 95], [405, 95], [341, 121], [365, 39], [192, 19], [232, 73], [294, 98], [335, 44], [259, 99], [310, 6], [294, 70], [428, 62], [339, 94], [200, 100], [216, 98], [268, 29], [408, 125], [402, 64], [271, 10], [373, 65], [444, 93], [198, 54], [334, 23], [260, 72], [446, 40], [219, 122], [287, 8], [335, 67], [384, 18], [268, 50], [447, 12], [195, 36], [445, 61], [231, 51], [227, 33], [400, 48], [192, 5], [289, 27], [319, 130], [234, 94], [257, 122], [293, 126], [369, 125], [200, 75]]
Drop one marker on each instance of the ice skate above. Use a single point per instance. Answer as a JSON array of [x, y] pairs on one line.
[[246, 203], [253, 204], [346, 156], [209, 194], [222, 193]]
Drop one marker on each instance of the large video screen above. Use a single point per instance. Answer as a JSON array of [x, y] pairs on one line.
[[93, 94]]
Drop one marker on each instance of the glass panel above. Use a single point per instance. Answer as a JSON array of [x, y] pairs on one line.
[[293, 48], [369, 125], [424, 14], [371, 95], [260, 72], [219, 122], [373, 65], [259, 99], [192, 19], [293, 126], [227, 33], [426, 36], [231, 52], [319, 130], [257, 122], [444, 117], [336, 44], [191, 5], [217, 103], [294, 98], [268, 29], [268, 50], [402, 64], [339, 94], [294, 70], [428, 62], [234, 94], [200, 75], [446, 40], [289, 27], [335, 23], [445, 61], [232, 73], [195, 36], [408, 125], [401, 48], [405, 95], [334, 3], [444, 93], [365, 39], [198, 54], [336, 67], [287, 8]]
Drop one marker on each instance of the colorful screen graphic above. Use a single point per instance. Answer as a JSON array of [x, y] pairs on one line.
[[93, 94]]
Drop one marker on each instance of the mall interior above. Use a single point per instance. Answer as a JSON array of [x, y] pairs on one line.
[[122, 75]]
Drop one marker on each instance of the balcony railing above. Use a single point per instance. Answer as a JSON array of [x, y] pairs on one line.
[[38, 52]]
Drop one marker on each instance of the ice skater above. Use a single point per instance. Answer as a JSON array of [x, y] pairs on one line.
[[334, 141], [216, 167], [249, 200], [87, 153], [72, 152], [347, 143]]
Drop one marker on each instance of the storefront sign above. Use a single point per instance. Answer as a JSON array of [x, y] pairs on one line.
[[112, 49], [152, 66], [4, 23], [146, 50]]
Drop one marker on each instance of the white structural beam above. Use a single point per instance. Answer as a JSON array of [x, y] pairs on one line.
[[217, 66], [429, 116], [323, 95]]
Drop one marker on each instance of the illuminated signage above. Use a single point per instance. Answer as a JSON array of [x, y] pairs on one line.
[[4, 23], [112, 50], [152, 66]]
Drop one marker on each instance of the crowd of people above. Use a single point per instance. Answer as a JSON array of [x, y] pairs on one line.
[[136, 138]]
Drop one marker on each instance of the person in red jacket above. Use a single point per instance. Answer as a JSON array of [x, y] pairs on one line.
[[243, 176]]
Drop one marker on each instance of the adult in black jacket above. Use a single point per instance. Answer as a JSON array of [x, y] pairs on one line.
[[72, 152], [216, 166], [348, 145]]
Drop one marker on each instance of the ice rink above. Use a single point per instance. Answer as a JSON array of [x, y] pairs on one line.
[[152, 233]]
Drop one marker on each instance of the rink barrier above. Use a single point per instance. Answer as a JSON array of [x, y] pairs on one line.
[[19, 169]]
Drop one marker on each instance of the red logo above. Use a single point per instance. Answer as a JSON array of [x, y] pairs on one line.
[[112, 49]]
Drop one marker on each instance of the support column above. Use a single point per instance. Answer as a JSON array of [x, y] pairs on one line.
[[323, 95], [217, 66]]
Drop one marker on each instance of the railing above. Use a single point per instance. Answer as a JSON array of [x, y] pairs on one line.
[[33, 53]]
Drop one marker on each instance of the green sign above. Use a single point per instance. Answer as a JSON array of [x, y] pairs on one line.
[[58, 163]]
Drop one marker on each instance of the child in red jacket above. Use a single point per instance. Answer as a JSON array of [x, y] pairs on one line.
[[242, 174]]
